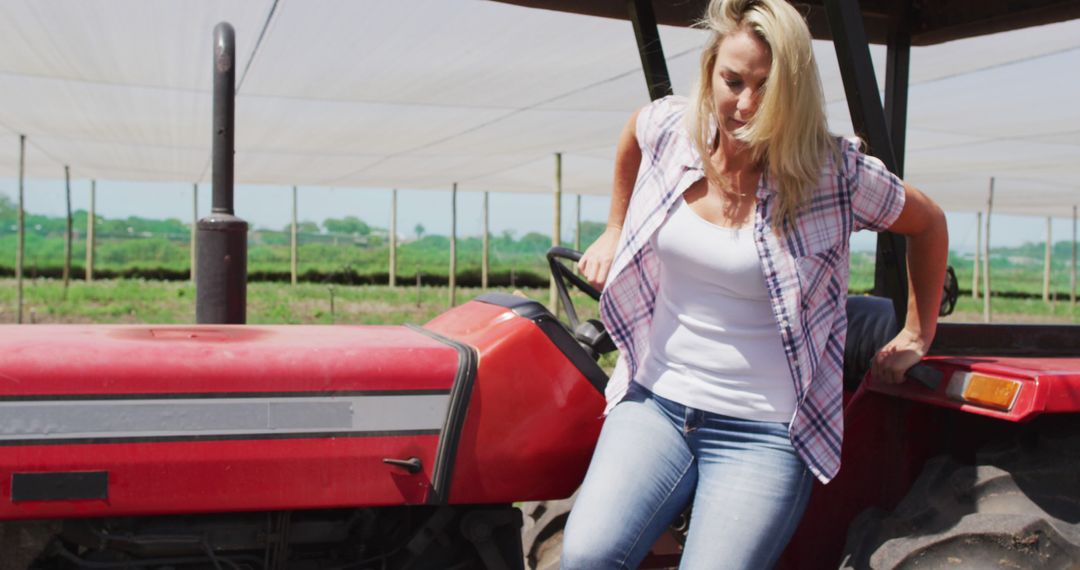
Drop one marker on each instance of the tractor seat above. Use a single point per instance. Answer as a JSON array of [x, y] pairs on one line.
[[871, 324]]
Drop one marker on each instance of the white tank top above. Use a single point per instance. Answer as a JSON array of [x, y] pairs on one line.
[[715, 345]]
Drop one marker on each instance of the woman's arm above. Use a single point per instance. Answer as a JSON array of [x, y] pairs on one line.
[[923, 222], [596, 262]]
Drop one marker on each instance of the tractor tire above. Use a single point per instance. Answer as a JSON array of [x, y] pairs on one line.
[[542, 532], [21, 542], [1017, 507]]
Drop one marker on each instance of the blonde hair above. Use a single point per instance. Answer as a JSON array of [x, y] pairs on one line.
[[788, 133]]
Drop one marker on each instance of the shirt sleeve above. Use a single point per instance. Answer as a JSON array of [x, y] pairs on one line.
[[877, 195], [654, 123]]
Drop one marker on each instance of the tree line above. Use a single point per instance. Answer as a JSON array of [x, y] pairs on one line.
[[346, 246], [350, 250]]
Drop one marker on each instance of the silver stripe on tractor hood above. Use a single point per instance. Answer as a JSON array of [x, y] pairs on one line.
[[232, 416]]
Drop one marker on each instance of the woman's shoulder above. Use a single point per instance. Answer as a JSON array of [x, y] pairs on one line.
[[659, 113], [662, 120], [672, 103], [842, 156], [849, 147], [854, 160]]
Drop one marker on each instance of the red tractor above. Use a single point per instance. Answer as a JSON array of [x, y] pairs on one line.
[[401, 447], [291, 446], [232, 446]]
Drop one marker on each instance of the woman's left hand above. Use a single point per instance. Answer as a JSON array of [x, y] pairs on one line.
[[924, 224], [894, 359]]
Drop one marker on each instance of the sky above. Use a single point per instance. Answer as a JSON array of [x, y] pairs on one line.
[[270, 207]]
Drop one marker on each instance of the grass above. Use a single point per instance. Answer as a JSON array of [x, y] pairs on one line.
[[112, 301], [157, 302], [1017, 311]]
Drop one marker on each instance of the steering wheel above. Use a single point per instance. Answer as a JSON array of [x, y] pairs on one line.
[[950, 294], [591, 333]]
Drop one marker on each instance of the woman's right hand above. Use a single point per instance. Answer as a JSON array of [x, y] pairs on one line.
[[596, 261]]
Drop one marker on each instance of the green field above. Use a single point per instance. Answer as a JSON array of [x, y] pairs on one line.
[[348, 250], [137, 301], [336, 246], [154, 302]]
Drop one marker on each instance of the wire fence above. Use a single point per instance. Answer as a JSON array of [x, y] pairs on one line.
[[160, 249], [165, 253]]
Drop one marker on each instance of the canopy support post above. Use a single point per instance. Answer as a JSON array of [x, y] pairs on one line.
[[1046, 263], [91, 221], [194, 229], [67, 229], [21, 230], [868, 117], [392, 279], [485, 261], [978, 257], [897, 66], [556, 233], [577, 225], [986, 255], [453, 245], [649, 48], [294, 249], [1072, 279]]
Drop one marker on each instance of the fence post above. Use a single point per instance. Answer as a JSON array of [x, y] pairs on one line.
[[1046, 268], [21, 230], [393, 238], [453, 245], [1072, 279], [67, 229], [484, 260], [556, 232], [333, 316], [194, 229], [294, 250], [978, 255], [986, 255], [91, 221], [577, 225]]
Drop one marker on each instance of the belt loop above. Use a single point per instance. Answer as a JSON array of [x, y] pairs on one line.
[[691, 420]]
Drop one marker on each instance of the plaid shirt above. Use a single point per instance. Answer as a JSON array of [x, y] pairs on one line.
[[805, 269]]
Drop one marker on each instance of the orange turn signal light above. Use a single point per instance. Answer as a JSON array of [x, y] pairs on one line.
[[984, 390]]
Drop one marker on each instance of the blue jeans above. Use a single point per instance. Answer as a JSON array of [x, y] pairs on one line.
[[748, 485]]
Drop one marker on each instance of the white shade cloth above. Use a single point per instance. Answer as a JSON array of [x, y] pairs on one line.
[[422, 93]]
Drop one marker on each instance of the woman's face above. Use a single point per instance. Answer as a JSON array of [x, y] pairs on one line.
[[742, 65]]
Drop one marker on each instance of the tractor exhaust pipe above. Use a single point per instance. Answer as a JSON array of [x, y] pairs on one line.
[[221, 267]]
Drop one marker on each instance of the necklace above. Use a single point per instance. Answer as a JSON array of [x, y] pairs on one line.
[[725, 183], [728, 190], [737, 194]]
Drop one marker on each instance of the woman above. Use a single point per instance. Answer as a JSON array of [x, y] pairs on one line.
[[726, 261]]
